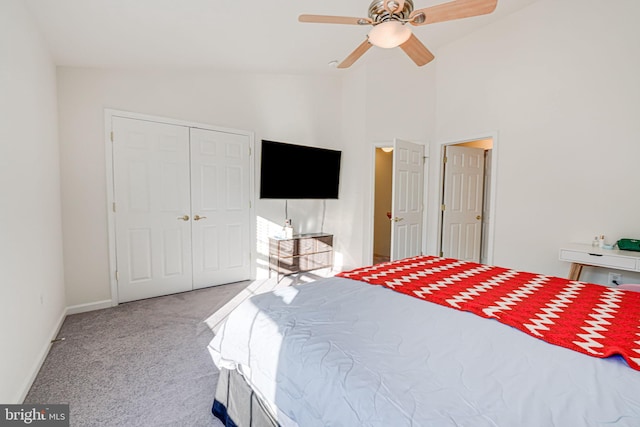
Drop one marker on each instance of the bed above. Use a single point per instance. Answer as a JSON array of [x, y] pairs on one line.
[[365, 349]]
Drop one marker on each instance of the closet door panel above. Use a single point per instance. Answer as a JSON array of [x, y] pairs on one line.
[[152, 197], [220, 199]]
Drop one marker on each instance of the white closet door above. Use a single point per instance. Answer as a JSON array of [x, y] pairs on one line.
[[152, 215], [220, 205]]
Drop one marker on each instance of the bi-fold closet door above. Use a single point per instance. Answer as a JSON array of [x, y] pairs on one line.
[[181, 211]]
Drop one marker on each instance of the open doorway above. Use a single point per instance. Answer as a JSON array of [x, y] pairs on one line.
[[398, 200], [466, 200], [383, 199]]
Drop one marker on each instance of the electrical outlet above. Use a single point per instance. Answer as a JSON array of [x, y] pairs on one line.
[[615, 279]]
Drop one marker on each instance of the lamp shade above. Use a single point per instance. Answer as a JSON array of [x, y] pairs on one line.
[[389, 34]]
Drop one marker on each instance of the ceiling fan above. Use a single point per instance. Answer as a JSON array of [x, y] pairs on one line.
[[389, 19]]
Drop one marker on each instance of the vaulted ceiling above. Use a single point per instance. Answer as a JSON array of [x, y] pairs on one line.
[[252, 35]]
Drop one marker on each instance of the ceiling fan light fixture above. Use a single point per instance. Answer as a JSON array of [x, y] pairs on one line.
[[389, 34]]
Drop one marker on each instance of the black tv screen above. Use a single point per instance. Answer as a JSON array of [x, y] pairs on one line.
[[289, 171]]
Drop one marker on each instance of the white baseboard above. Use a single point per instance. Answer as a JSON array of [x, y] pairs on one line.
[[83, 308], [43, 355]]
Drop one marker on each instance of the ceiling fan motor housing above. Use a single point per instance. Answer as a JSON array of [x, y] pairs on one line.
[[378, 13]]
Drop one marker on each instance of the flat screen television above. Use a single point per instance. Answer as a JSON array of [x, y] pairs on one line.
[[289, 171]]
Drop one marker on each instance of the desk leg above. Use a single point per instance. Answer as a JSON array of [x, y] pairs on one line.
[[574, 272]]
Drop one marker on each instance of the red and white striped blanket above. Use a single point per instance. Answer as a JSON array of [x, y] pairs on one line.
[[589, 318]]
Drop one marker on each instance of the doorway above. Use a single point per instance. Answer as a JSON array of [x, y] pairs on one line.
[[383, 194], [466, 200]]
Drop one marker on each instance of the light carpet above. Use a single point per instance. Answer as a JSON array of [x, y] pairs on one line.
[[143, 363]]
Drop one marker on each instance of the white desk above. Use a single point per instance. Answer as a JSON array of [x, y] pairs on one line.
[[580, 255]]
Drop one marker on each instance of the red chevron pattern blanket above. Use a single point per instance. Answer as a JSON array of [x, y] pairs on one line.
[[592, 319]]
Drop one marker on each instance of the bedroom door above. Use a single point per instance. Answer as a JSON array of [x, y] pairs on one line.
[[220, 207], [151, 208], [407, 206], [463, 203]]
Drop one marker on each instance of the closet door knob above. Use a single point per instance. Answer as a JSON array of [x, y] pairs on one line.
[[198, 217], [184, 218]]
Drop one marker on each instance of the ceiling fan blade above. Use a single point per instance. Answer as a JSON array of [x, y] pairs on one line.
[[417, 51], [326, 19], [456, 9], [355, 55]]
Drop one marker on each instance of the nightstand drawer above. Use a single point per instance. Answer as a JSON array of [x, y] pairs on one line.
[[324, 243], [282, 247], [306, 246]]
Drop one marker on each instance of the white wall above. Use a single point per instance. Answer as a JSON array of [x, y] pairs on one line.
[[32, 289], [558, 81], [288, 108], [353, 181], [385, 97]]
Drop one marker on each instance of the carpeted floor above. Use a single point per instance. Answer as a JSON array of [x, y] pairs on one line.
[[143, 363]]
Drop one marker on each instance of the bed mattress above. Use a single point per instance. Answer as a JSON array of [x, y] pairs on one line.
[[345, 353]]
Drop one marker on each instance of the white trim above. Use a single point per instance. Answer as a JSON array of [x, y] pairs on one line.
[[109, 114], [253, 219], [42, 357], [111, 224], [425, 195], [494, 181], [92, 306]]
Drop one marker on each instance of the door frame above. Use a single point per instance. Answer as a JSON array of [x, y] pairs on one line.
[[109, 114], [490, 235], [368, 246]]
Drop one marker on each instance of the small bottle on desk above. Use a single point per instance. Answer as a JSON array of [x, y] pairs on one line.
[[601, 241]]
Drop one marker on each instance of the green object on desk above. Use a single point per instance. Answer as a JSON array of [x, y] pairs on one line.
[[629, 245]]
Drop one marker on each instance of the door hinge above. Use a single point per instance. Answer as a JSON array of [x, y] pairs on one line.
[[117, 275], [249, 150], [249, 204], [111, 136], [441, 254], [444, 160], [113, 206], [443, 207]]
